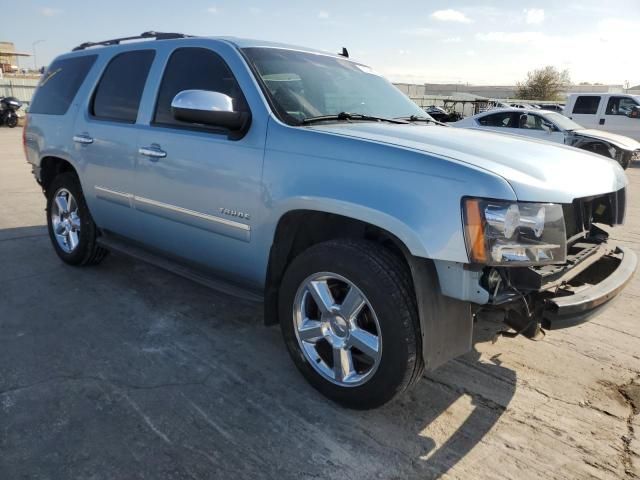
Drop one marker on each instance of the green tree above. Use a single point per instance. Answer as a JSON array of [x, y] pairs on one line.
[[543, 84]]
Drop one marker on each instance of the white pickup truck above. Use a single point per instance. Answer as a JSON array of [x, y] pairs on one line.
[[614, 112]]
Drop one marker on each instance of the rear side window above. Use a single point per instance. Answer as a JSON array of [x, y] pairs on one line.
[[587, 105], [503, 119], [120, 89], [195, 69], [60, 84]]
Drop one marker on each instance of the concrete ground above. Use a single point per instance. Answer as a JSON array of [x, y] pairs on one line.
[[125, 371]]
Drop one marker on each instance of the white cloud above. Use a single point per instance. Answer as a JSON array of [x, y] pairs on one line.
[[323, 15], [213, 10], [451, 40], [450, 15], [470, 53], [48, 11], [534, 16], [512, 37]]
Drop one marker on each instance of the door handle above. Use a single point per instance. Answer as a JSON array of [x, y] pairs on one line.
[[153, 152], [83, 139], [602, 121]]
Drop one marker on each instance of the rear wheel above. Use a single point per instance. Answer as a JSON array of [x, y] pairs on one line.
[[71, 228], [350, 322], [12, 120]]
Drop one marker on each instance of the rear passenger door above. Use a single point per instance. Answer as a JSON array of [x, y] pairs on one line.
[[197, 189], [585, 110], [106, 138]]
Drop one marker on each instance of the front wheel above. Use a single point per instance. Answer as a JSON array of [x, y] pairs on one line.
[[350, 322]]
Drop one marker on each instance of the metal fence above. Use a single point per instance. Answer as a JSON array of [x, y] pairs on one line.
[[21, 88]]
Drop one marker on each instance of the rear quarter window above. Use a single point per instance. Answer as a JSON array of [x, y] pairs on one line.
[[60, 84], [586, 105]]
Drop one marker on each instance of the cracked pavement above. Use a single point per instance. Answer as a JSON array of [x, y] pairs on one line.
[[126, 371]]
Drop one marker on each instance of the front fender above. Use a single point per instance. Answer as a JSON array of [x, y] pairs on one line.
[[404, 232]]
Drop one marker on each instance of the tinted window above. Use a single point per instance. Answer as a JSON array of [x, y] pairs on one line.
[[195, 69], [586, 105], [620, 106], [60, 84], [503, 119], [120, 89]]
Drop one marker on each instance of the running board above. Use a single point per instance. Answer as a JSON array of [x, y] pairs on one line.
[[116, 245]]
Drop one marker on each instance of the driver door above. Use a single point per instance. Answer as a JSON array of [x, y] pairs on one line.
[[535, 126], [198, 190]]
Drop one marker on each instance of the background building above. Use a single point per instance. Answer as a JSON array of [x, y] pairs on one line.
[[10, 58]]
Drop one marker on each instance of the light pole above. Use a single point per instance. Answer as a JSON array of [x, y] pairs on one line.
[[33, 47]]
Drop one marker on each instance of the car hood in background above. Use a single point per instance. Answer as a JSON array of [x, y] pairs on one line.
[[537, 171], [618, 140]]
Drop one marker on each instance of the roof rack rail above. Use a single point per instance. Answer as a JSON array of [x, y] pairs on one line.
[[144, 35]]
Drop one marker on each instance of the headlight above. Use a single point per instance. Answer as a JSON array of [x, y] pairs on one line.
[[514, 233]]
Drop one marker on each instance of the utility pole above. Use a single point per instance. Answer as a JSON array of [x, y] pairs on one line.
[[33, 47]]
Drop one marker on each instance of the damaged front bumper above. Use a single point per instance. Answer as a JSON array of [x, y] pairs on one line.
[[578, 299], [560, 296]]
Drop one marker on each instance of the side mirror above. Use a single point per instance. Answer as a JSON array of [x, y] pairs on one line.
[[635, 112], [209, 108]]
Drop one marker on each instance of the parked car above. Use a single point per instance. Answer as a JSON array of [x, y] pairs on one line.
[[307, 181], [527, 106], [554, 127], [553, 107], [441, 115], [612, 112]]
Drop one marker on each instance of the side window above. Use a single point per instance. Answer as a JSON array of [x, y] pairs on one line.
[[587, 104], [194, 68], [530, 122], [60, 84], [503, 119], [120, 89], [620, 106]]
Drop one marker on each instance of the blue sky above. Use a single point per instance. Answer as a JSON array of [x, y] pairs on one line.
[[413, 41]]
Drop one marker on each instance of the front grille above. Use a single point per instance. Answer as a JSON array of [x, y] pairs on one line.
[[608, 209]]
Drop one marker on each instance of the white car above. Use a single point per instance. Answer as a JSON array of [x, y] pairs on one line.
[[554, 127]]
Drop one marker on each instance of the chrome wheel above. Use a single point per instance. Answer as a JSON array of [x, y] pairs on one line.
[[337, 329], [65, 220]]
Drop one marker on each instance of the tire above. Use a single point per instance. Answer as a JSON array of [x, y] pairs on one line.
[[12, 121], [79, 246], [349, 269]]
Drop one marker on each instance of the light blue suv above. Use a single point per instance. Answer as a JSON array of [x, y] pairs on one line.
[[303, 179]]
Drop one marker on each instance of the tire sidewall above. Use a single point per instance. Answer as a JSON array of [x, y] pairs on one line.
[[86, 238], [397, 336]]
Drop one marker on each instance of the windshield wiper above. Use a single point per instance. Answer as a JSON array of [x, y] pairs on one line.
[[345, 116], [415, 118]]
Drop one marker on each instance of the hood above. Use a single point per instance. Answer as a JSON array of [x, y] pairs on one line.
[[537, 171], [618, 140]]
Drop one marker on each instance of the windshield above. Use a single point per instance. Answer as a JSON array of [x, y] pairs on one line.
[[563, 122], [302, 85]]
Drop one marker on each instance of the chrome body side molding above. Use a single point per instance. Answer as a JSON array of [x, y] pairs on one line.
[[222, 226]]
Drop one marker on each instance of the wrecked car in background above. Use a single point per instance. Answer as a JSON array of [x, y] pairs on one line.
[[553, 127]]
